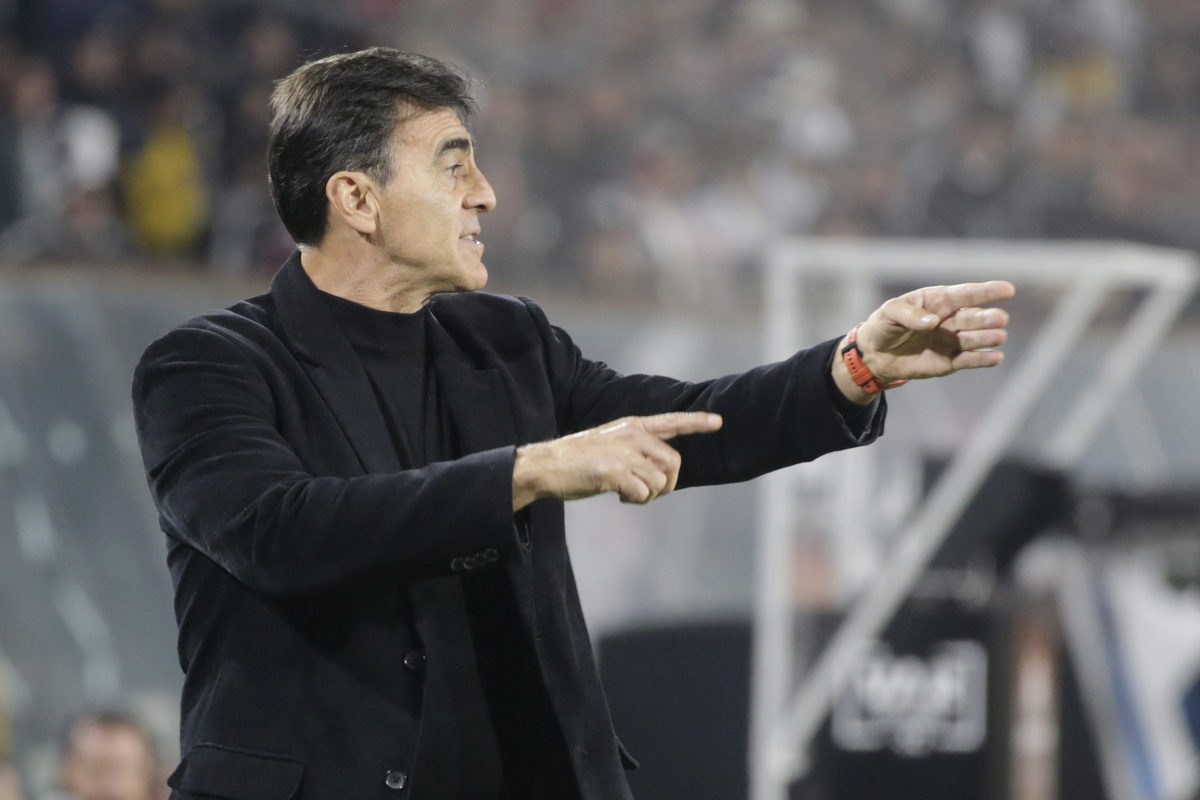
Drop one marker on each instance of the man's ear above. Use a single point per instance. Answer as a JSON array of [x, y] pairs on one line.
[[354, 198]]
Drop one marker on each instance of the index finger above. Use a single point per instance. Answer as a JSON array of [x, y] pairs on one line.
[[942, 299], [666, 426]]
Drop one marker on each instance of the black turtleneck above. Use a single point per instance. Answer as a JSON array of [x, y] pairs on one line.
[[391, 347]]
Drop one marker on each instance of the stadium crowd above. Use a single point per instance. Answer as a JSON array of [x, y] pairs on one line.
[[638, 149]]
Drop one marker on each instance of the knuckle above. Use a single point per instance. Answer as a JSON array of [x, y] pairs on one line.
[[609, 469]]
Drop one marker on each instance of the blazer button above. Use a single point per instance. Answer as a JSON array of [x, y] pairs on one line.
[[491, 555], [414, 660], [456, 565], [395, 780]]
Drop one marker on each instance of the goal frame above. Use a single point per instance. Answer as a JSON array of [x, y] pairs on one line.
[[783, 723]]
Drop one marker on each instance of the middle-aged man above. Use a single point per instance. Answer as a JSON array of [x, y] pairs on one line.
[[361, 473]]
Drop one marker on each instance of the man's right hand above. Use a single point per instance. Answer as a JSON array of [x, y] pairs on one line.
[[629, 456]]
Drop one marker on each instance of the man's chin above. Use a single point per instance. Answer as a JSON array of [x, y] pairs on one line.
[[476, 279]]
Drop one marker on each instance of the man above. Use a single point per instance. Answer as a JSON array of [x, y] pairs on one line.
[[109, 755], [361, 473]]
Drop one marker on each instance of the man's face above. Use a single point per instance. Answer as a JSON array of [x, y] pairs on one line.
[[107, 762], [429, 219]]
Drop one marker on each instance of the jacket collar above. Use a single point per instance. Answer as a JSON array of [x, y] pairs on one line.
[[472, 395], [314, 335]]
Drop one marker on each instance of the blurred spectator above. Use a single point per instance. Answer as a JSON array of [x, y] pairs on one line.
[[10, 199], [48, 27], [180, 41], [65, 159], [165, 183], [1000, 51], [98, 75], [10, 782], [246, 233], [109, 755], [973, 197], [1171, 80], [247, 236], [267, 51]]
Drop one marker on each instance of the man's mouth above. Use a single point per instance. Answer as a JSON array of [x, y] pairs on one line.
[[473, 238]]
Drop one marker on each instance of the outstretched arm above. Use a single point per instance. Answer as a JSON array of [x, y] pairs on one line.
[[928, 333], [922, 334]]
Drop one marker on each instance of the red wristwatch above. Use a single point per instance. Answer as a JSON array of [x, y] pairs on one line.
[[860, 373]]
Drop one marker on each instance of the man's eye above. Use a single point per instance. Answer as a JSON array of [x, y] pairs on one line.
[[455, 168]]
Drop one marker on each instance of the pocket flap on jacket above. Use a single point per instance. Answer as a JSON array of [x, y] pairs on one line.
[[237, 774]]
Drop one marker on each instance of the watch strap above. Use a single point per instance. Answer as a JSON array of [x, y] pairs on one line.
[[860, 373]]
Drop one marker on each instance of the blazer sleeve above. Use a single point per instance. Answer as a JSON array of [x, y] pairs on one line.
[[774, 415], [227, 483]]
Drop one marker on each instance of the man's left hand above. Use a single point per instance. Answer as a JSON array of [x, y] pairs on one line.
[[928, 333]]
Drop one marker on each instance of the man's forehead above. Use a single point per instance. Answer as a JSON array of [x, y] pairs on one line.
[[434, 128]]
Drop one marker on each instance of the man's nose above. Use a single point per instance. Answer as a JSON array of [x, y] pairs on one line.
[[481, 196]]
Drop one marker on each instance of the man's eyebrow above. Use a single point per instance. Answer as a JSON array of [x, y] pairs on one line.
[[457, 143]]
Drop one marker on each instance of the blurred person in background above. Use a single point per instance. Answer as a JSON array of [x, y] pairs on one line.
[[246, 234], [973, 197], [109, 755], [10, 782], [10, 177], [165, 186], [361, 474], [66, 160], [98, 75]]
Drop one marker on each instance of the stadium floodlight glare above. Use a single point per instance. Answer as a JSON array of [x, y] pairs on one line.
[[784, 723]]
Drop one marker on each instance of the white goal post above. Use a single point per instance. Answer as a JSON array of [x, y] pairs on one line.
[[783, 721]]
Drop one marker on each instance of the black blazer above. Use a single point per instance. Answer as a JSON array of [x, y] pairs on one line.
[[306, 563]]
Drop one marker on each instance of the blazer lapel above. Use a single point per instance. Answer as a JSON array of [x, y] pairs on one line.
[[317, 339], [475, 400]]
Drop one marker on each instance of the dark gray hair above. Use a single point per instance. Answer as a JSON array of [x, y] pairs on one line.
[[339, 113]]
